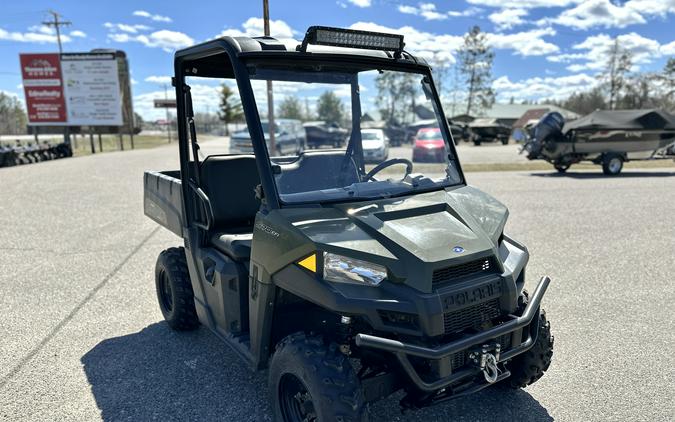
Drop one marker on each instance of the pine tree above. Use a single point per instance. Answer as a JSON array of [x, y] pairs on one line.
[[230, 109], [329, 108], [475, 60], [290, 108]]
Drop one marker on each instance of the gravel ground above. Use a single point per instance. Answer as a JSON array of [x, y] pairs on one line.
[[83, 339]]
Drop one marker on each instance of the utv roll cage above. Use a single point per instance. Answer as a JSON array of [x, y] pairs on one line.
[[226, 57]]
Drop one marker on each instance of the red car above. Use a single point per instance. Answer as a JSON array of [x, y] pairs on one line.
[[429, 146]]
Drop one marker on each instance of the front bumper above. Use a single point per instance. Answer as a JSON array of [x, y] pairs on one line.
[[403, 351]]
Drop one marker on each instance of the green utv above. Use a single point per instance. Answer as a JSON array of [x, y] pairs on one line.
[[347, 282]]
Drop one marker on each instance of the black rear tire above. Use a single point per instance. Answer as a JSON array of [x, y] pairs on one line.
[[612, 164], [311, 380], [561, 168], [174, 290], [528, 367]]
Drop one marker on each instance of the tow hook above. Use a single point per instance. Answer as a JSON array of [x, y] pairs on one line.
[[487, 361]]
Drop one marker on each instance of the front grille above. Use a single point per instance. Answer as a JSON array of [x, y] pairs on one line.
[[448, 274], [471, 316], [457, 360]]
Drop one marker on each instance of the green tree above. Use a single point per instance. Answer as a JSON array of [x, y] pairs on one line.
[[395, 96], [230, 109], [475, 61], [664, 86], [619, 62], [291, 108], [583, 102], [13, 118], [329, 108]]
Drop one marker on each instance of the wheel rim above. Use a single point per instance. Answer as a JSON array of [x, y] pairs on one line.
[[165, 292], [296, 402], [614, 165]]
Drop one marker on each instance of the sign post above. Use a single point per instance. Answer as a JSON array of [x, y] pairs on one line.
[[166, 104]]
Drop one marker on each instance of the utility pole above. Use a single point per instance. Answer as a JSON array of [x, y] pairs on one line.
[[270, 93], [57, 24], [168, 120]]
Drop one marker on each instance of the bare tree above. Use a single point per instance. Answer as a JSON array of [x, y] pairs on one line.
[[12, 116], [619, 62], [475, 58]]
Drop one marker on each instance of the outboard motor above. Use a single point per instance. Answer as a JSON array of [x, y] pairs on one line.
[[549, 128]]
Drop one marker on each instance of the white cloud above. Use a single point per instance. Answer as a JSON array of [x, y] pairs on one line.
[[599, 13], [361, 3], [156, 18], [429, 12], [608, 14], [543, 88], [164, 39], [123, 27], [254, 27], [432, 47], [32, 36], [652, 7], [523, 4], [78, 34], [508, 18], [668, 49], [527, 43], [158, 79], [595, 49], [410, 10]]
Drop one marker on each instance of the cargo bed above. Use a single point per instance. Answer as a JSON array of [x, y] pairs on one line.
[[162, 199]]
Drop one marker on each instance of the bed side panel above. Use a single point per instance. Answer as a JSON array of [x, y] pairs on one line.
[[162, 199]]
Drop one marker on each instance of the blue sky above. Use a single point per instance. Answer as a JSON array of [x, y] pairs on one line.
[[544, 48]]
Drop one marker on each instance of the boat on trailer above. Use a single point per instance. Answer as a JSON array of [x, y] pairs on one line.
[[605, 137]]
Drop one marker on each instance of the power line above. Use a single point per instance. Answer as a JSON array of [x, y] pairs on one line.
[[57, 24]]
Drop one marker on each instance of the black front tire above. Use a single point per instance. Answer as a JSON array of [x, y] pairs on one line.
[[311, 380], [528, 367], [174, 290]]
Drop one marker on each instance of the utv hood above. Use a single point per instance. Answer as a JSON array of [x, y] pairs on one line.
[[414, 234]]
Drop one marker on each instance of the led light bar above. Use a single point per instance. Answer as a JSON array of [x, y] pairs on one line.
[[351, 38]]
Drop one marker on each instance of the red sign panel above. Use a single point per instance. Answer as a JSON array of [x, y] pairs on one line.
[[43, 87]]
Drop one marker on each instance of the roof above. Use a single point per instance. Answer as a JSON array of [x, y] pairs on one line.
[[515, 111], [482, 122], [623, 119], [530, 115], [207, 53]]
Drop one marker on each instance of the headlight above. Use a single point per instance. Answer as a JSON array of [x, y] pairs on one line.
[[343, 269]]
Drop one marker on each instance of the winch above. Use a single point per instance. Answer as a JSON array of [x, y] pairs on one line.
[[487, 359]]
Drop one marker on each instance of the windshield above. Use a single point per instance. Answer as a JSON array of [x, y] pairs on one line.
[[313, 164], [370, 136]]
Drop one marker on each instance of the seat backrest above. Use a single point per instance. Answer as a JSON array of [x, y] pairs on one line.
[[327, 168], [229, 182]]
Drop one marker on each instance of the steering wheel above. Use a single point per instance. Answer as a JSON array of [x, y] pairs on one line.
[[383, 165]]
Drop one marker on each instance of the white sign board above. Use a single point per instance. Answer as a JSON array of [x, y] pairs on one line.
[[91, 89]]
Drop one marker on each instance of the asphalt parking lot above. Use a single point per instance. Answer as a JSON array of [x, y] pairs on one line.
[[83, 339]]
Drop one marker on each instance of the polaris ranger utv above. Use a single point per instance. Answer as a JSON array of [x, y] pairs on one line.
[[347, 281]]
